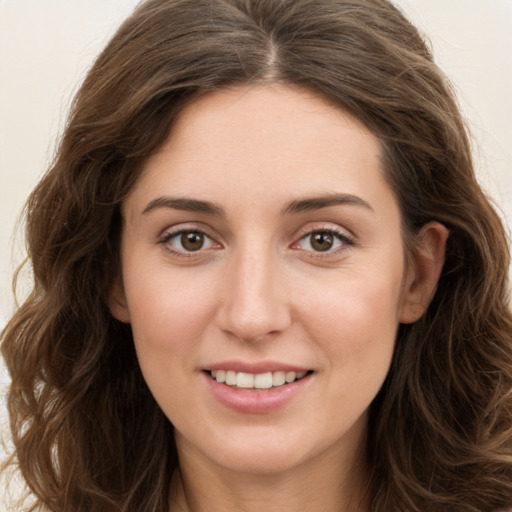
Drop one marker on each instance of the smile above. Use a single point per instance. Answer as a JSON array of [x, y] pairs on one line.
[[265, 380], [257, 391]]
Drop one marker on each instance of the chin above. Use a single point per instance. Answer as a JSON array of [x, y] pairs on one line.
[[266, 450], [260, 461]]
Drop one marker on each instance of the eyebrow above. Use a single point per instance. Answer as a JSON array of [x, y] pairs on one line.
[[185, 204], [295, 207], [317, 203]]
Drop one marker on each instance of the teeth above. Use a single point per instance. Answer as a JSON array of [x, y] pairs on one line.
[[290, 376], [230, 378], [263, 380], [278, 378], [244, 380], [256, 381]]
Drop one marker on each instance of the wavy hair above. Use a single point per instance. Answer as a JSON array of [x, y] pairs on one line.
[[87, 433]]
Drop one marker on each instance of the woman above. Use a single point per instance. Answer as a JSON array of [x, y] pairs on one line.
[[265, 277]]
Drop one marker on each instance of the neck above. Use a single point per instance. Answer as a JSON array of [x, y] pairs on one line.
[[324, 484]]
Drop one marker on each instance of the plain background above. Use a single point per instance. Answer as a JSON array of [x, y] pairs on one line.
[[46, 46]]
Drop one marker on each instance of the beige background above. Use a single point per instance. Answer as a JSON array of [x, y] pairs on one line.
[[47, 45]]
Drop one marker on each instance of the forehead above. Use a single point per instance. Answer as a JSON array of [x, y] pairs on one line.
[[272, 117], [255, 142]]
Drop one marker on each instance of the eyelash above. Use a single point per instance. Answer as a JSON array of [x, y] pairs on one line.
[[344, 240]]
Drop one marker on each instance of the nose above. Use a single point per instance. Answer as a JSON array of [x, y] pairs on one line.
[[255, 304]]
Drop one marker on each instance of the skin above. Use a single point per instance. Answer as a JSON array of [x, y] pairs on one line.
[[259, 290]]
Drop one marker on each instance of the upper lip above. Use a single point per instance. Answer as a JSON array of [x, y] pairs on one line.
[[256, 368]]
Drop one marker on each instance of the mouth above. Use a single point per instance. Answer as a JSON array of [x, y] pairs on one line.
[[257, 381]]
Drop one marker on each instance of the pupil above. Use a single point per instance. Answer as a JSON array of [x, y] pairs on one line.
[[322, 241], [192, 241]]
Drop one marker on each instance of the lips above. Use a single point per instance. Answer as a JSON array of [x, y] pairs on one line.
[[256, 388]]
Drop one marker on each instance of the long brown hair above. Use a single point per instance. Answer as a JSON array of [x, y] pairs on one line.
[[87, 433]]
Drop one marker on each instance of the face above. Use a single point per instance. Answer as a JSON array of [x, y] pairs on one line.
[[264, 277]]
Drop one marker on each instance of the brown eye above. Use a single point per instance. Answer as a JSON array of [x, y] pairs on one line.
[[185, 242], [330, 241], [321, 241], [192, 240]]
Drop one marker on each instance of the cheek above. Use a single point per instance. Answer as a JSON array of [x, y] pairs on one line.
[[354, 323], [354, 304], [352, 328], [169, 317], [168, 307]]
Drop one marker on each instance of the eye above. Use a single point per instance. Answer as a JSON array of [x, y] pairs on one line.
[[327, 240], [187, 241]]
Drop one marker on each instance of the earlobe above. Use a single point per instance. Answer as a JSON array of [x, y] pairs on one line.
[[423, 275], [117, 302]]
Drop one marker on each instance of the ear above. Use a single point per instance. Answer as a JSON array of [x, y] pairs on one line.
[[117, 302], [424, 271]]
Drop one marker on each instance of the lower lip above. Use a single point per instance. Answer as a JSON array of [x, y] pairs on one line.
[[256, 401]]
